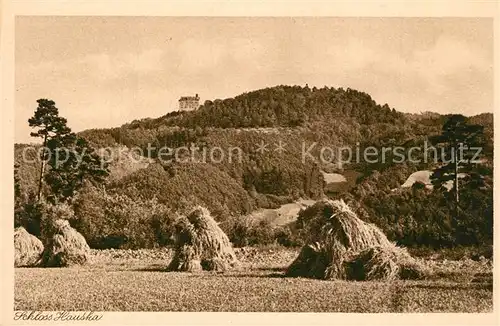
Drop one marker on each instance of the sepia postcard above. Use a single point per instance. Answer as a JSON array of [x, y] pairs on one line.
[[243, 163]]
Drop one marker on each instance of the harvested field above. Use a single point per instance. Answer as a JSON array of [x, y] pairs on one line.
[[136, 280], [283, 215]]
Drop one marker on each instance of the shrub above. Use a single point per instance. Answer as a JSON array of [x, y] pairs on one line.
[[30, 217], [246, 231], [117, 221], [284, 236]]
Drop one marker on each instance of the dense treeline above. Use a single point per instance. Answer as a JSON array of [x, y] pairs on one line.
[[288, 106], [135, 206], [279, 106], [419, 216]]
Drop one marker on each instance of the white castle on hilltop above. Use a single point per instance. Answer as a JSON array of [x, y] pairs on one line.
[[189, 103]]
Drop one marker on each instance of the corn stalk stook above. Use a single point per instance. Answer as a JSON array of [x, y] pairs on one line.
[[64, 246], [201, 244], [345, 247], [28, 249]]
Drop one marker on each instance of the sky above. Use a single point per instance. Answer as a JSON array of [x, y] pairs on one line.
[[106, 71]]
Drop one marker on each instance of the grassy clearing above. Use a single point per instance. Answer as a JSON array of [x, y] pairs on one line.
[[129, 283]]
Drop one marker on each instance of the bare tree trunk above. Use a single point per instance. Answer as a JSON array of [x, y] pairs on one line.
[[457, 161], [456, 184], [42, 169]]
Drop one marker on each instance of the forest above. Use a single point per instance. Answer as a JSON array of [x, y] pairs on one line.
[[134, 205]]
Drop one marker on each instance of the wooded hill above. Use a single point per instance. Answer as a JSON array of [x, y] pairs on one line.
[[131, 207]]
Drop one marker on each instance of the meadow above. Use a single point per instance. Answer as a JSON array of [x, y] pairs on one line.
[[136, 280]]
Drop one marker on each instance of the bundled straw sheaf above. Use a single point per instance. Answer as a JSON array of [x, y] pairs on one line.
[[64, 246], [201, 244], [385, 263], [28, 249], [342, 246]]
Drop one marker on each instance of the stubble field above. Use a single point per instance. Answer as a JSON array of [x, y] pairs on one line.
[[121, 280]]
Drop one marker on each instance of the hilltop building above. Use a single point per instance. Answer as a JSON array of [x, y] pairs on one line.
[[189, 103]]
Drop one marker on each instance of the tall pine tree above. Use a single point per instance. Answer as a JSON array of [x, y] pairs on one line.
[[70, 158], [49, 127], [461, 151]]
